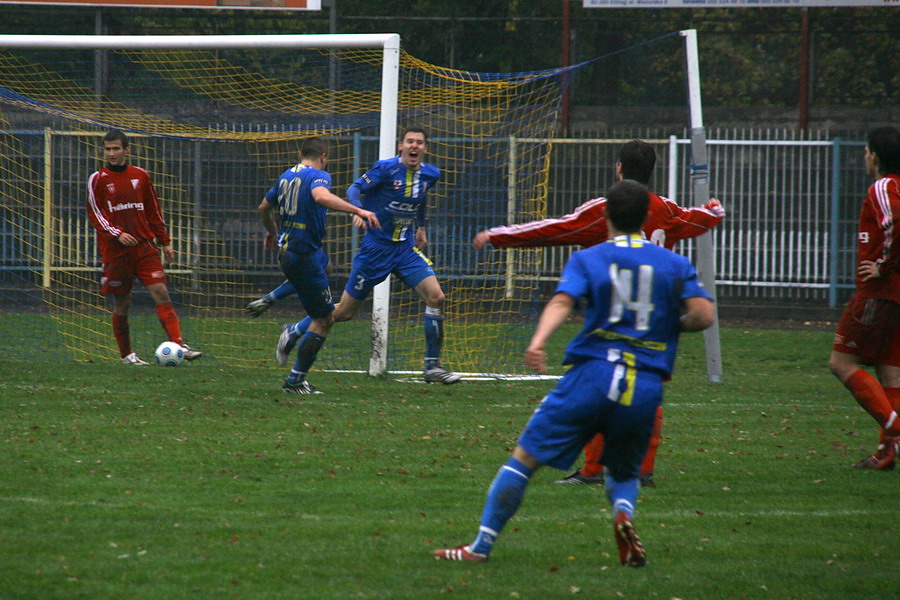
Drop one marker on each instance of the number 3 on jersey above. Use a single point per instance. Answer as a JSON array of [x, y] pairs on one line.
[[624, 297]]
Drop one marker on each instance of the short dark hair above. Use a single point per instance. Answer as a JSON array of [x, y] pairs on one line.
[[314, 147], [414, 129], [638, 159], [885, 143], [626, 205], [116, 135]]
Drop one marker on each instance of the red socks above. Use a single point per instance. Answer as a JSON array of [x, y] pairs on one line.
[[122, 333], [593, 450], [169, 320], [870, 395]]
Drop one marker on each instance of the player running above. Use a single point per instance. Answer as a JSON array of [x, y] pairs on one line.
[[635, 293], [396, 189], [666, 224], [301, 198]]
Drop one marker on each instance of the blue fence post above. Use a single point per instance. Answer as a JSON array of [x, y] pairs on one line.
[[834, 229]]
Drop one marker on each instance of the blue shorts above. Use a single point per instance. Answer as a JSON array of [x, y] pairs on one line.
[[306, 272], [375, 261], [580, 406]]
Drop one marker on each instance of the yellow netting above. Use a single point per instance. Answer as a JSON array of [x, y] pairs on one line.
[[215, 129]]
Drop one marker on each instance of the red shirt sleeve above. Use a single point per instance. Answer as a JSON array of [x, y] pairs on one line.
[[878, 239], [153, 212], [97, 209], [584, 227], [668, 223]]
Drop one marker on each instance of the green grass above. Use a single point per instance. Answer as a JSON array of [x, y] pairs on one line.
[[147, 483]]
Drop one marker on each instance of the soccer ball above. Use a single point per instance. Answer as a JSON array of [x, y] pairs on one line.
[[169, 354]]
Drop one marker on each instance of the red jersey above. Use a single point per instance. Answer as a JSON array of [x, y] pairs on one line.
[[124, 201], [666, 224], [878, 239]]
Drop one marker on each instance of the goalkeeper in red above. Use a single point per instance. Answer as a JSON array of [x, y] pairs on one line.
[[869, 330], [634, 294], [666, 224], [124, 209]]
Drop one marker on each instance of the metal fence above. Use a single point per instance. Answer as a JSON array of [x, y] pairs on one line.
[[792, 205]]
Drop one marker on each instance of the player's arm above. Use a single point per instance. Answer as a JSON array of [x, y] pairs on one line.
[[156, 221], [555, 314], [422, 223], [267, 217], [680, 223], [586, 226], [879, 196], [699, 314], [323, 197]]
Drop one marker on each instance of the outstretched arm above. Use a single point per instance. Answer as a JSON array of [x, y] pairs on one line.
[[325, 198]]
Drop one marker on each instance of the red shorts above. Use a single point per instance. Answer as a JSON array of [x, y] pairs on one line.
[[142, 261], [870, 330]]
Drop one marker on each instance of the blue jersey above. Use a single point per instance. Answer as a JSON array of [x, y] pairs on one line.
[[396, 195], [301, 220], [634, 292]]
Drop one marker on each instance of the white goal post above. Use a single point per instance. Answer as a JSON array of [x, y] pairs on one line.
[[388, 42], [706, 259]]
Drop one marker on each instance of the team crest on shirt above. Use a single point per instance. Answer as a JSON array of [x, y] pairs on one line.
[[111, 188], [397, 184]]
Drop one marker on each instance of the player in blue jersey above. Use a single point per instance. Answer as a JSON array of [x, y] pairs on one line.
[[294, 211], [635, 293], [395, 189]]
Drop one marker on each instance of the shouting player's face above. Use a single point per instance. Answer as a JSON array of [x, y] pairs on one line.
[[413, 148], [115, 153]]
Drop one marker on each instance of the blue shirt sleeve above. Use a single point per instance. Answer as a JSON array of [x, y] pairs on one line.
[[371, 178], [574, 280], [353, 195]]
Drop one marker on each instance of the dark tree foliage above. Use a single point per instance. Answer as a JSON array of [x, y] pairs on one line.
[[749, 57]]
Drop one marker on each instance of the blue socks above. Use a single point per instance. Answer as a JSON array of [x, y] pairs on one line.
[[504, 498], [300, 327], [622, 495], [434, 336], [309, 347], [282, 291]]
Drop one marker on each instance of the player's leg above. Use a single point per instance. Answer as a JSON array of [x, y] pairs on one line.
[[864, 329], [626, 438], [503, 500], [264, 303], [307, 274], [554, 436], [888, 448], [122, 331], [116, 280], [649, 463], [592, 471]]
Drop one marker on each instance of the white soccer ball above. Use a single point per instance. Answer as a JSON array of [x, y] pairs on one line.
[[169, 354]]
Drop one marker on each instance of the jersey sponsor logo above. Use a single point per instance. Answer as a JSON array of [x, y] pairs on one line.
[[125, 206], [403, 206]]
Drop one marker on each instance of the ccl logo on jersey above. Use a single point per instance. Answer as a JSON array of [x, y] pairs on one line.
[[406, 207]]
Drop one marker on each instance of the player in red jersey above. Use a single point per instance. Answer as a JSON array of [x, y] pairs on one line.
[[666, 224], [124, 209], [869, 330]]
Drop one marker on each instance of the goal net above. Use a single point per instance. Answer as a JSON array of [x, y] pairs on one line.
[[215, 126]]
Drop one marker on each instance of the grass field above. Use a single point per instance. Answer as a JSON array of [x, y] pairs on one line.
[[206, 482]]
